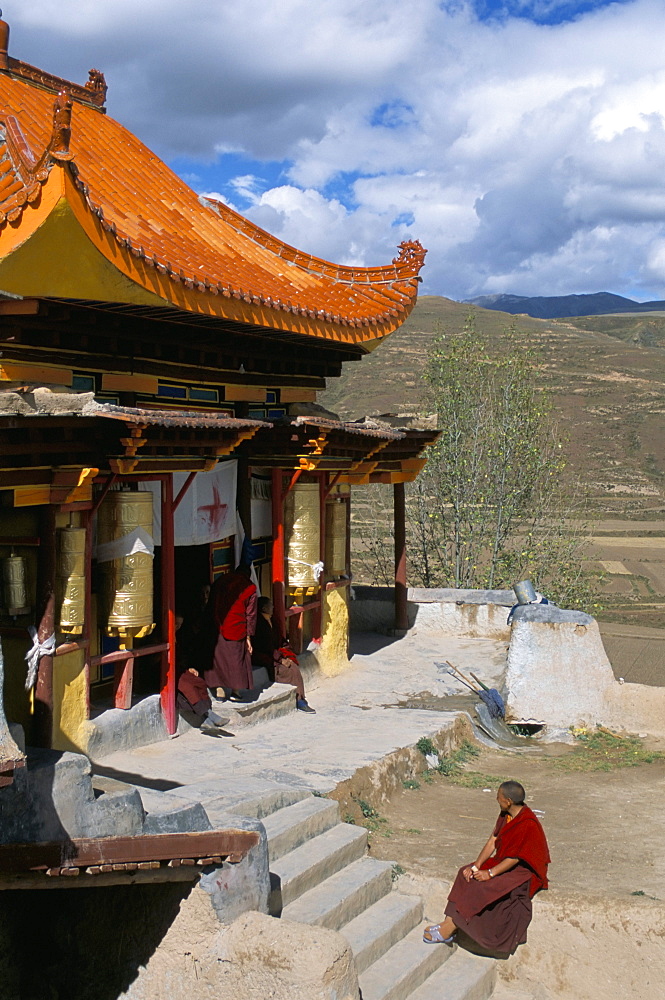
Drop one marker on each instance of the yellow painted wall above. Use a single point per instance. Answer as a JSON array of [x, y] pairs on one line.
[[333, 654], [58, 259], [69, 699]]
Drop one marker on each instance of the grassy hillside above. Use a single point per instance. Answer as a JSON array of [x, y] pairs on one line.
[[609, 393]]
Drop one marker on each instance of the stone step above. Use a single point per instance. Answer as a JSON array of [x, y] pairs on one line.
[[290, 827], [403, 968], [463, 977], [504, 991], [340, 898], [244, 795], [311, 863], [275, 701], [373, 932]]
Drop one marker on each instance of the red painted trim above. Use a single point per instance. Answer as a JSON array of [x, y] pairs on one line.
[[107, 486], [333, 484], [297, 609], [87, 605], [168, 690], [125, 654], [277, 558], [401, 616], [317, 617], [185, 486], [294, 479], [123, 680]]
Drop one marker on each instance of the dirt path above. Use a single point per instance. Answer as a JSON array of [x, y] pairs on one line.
[[605, 829]]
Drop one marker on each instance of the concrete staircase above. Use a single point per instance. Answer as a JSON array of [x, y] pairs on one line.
[[320, 874]]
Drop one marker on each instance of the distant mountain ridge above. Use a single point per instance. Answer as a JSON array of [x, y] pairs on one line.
[[559, 306]]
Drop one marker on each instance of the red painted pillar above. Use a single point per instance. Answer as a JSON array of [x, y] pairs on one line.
[[87, 523], [317, 616], [401, 616], [168, 690], [277, 565], [43, 696]]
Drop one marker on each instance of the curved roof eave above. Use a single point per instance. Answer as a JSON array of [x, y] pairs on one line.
[[197, 254]]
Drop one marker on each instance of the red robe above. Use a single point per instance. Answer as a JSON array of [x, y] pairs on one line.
[[233, 601], [496, 913], [524, 838]]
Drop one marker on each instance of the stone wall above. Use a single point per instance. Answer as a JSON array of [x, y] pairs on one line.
[[152, 942], [473, 614]]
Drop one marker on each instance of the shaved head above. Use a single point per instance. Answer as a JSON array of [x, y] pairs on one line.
[[513, 791]]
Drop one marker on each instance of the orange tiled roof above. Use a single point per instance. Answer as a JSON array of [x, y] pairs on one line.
[[150, 224]]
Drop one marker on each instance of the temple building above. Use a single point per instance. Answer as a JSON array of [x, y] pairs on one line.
[[159, 366]]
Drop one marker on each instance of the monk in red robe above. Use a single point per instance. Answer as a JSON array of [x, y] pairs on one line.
[[233, 606], [491, 899]]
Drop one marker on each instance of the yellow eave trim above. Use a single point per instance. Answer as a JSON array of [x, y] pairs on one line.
[[177, 294]]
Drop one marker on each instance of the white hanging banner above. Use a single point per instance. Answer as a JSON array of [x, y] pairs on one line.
[[206, 513]]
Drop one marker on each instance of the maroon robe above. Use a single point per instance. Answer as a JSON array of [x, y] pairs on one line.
[[193, 688], [289, 674], [496, 913], [233, 600]]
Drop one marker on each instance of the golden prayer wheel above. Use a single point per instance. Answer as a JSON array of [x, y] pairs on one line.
[[302, 530], [335, 537], [15, 585], [70, 580], [126, 580]]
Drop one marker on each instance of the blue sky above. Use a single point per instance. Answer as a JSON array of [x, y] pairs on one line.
[[523, 143]]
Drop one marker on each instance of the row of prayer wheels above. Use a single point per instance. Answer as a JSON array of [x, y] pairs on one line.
[[126, 599]]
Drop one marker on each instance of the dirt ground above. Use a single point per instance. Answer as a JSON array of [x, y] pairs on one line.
[[605, 829]]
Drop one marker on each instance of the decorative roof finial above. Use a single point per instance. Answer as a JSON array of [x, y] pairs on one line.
[[4, 43], [411, 256], [62, 127]]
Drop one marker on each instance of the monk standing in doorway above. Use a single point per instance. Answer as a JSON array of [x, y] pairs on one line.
[[233, 606]]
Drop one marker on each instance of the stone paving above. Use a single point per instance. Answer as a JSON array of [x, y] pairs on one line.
[[358, 722]]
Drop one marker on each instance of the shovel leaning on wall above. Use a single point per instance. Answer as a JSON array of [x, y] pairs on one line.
[[489, 696]]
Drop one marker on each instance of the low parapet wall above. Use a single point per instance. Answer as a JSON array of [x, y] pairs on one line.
[[473, 614]]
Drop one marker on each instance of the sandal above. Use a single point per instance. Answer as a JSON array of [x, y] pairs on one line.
[[435, 935]]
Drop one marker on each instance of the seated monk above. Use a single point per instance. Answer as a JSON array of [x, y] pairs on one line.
[[193, 693], [265, 641], [270, 652], [287, 671], [491, 899]]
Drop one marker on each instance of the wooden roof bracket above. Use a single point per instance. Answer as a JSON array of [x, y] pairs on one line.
[[102, 496], [294, 479], [331, 485]]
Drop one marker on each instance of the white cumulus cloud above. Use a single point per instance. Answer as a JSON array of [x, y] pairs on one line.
[[527, 157]]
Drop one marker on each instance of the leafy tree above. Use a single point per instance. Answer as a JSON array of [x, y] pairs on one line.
[[491, 506]]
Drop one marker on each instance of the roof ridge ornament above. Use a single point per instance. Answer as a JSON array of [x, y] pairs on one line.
[[62, 127], [92, 93], [97, 84], [411, 256]]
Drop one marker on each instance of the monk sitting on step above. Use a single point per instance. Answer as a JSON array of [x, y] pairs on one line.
[[491, 899], [193, 696], [269, 651]]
